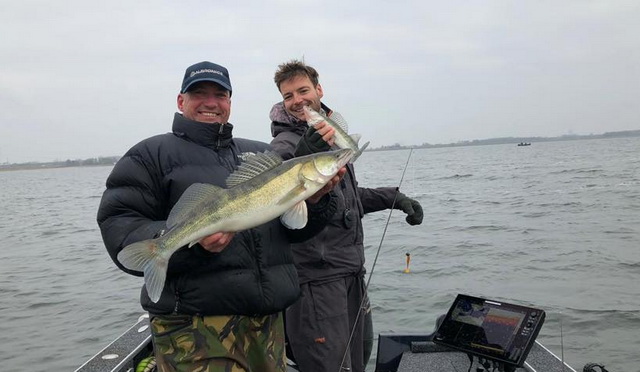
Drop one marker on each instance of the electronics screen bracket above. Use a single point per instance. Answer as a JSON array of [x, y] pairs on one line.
[[490, 329]]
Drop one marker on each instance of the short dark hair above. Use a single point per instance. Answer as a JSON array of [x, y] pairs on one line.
[[292, 69]]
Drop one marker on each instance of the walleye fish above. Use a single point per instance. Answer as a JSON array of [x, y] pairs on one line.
[[343, 140], [263, 188]]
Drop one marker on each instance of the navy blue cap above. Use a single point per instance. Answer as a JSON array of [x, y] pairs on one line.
[[206, 71]]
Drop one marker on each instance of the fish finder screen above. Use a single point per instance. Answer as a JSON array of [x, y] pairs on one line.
[[475, 319], [491, 329]]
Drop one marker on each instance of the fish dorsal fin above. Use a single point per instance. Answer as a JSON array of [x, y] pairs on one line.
[[338, 119], [192, 196], [254, 166]]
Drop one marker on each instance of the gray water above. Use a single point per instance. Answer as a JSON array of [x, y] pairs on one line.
[[554, 225]]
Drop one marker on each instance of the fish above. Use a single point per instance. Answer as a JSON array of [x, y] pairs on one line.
[[264, 187], [343, 140]]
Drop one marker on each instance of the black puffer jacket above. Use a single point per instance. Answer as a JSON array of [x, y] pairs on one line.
[[338, 250], [253, 275]]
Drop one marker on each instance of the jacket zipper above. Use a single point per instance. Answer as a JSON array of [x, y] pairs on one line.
[[219, 135]]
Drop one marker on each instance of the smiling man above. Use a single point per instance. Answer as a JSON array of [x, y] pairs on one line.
[[206, 94], [220, 309], [321, 324]]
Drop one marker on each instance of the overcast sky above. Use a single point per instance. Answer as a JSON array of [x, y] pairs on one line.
[[82, 78]]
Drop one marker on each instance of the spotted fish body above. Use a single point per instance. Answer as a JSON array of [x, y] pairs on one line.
[[263, 188]]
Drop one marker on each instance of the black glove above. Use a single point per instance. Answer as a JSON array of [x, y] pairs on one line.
[[411, 207], [310, 143]]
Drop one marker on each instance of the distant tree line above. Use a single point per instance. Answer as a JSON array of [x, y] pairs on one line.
[[102, 160], [514, 140], [111, 160]]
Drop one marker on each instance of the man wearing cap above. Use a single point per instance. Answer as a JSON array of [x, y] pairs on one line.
[[321, 326], [220, 309]]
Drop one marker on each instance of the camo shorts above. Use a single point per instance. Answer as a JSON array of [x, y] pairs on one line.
[[219, 343]]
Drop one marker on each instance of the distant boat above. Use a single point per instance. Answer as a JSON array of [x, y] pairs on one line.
[[524, 144]]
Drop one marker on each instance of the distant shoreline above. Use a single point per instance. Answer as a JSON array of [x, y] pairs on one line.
[[515, 140], [111, 160], [52, 165]]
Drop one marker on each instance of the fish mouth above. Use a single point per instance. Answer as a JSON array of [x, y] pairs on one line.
[[309, 113], [299, 113]]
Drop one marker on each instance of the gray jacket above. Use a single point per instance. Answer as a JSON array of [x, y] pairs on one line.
[[338, 250]]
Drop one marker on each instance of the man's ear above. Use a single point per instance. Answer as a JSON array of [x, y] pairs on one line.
[[180, 102]]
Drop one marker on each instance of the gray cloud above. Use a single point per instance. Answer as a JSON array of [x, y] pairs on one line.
[[81, 79]]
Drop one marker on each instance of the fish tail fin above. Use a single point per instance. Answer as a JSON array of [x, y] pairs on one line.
[[145, 256], [360, 151]]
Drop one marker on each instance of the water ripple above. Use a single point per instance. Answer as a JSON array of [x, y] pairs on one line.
[[555, 227]]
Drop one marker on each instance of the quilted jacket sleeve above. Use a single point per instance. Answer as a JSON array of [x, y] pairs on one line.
[[131, 206], [376, 199]]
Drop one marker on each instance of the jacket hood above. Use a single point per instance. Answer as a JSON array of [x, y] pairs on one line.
[[282, 121]]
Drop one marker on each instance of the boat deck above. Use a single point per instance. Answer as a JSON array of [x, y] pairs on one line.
[[396, 352], [414, 352], [125, 352]]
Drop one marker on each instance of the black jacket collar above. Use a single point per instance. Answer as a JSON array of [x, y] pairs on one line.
[[210, 135]]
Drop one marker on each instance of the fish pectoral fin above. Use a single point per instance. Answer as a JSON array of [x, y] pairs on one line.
[[296, 217]]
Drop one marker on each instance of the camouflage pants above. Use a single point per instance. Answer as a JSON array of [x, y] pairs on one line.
[[218, 343]]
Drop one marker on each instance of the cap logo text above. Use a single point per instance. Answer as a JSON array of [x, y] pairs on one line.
[[206, 70]]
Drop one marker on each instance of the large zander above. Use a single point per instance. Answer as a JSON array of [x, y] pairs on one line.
[[263, 188]]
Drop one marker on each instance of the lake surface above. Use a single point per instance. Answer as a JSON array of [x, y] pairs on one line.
[[554, 225]]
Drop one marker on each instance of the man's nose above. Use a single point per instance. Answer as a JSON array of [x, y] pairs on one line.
[[297, 99], [211, 100]]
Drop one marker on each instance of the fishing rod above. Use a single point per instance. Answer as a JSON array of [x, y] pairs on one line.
[[375, 260], [386, 225], [561, 342]]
